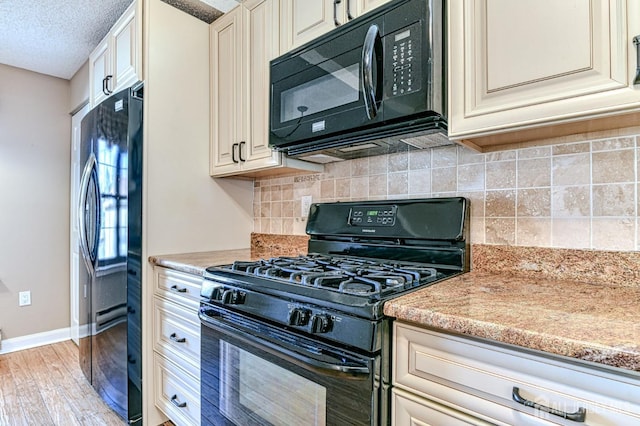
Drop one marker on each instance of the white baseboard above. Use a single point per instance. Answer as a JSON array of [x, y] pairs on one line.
[[34, 340]]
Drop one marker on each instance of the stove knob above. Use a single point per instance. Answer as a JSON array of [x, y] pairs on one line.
[[298, 316], [232, 297], [320, 323]]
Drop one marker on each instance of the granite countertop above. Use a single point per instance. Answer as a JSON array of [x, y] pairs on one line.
[[575, 303], [196, 263], [589, 322]]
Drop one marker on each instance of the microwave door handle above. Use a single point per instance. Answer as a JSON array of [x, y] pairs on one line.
[[368, 85]]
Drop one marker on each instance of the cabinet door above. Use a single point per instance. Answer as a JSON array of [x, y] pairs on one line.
[[516, 64], [261, 44], [124, 52], [365, 6], [99, 68], [304, 20], [227, 73]]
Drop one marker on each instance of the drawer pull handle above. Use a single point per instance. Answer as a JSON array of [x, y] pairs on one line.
[[177, 339], [174, 400], [178, 290], [578, 416]]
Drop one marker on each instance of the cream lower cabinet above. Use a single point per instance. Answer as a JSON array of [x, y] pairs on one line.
[[116, 63], [243, 41], [439, 379], [176, 345], [305, 20], [517, 65]]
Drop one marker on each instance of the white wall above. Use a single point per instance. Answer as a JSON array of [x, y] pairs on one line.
[[34, 206]]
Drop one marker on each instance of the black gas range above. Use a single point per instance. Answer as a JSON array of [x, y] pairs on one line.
[[319, 317]]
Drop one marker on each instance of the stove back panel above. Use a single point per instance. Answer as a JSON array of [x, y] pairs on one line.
[[430, 219]]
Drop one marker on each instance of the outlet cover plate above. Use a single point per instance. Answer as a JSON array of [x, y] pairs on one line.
[[24, 298]]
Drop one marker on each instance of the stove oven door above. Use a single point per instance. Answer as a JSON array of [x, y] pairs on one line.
[[255, 374]]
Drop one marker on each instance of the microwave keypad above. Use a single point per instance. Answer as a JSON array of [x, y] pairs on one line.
[[405, 63]]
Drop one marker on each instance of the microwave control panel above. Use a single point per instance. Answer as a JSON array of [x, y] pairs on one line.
[[405, 49], [373, 216]]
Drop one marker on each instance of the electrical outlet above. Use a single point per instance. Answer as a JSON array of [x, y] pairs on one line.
[[24, 298], [305, 205]]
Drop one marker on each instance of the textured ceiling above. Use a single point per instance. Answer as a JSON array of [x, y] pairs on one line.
[[55, 37]]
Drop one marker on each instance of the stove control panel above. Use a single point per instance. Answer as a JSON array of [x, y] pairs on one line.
[[373, 216]]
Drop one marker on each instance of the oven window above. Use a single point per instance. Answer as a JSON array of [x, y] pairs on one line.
[[331, 90], [251, 387]]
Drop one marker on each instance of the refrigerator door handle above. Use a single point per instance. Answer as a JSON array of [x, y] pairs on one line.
[[89, 248]]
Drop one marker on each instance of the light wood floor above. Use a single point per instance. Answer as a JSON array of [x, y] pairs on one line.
[[44, 386]]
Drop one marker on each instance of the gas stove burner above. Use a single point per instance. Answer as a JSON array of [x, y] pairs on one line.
[[349, 275]]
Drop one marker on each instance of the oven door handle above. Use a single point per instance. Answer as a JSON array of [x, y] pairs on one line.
[[217, 322]]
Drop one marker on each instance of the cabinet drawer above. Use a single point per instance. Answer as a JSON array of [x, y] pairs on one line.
[[177, 393], [432, 363], [179, 287], [408, 409], [176, 334]]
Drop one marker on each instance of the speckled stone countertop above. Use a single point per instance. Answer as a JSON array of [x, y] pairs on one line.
[[551, 300], [262, 246], [196, 263], [536, 308]]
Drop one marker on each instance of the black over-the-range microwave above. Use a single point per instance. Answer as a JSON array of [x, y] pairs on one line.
[[374, 85]]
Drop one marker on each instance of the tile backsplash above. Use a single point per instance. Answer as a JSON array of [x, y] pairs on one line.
[[581, 195]]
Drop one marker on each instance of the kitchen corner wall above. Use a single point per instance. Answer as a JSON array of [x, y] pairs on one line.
[[580, 195]]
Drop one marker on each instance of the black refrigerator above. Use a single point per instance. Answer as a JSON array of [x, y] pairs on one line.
[[110, 233]]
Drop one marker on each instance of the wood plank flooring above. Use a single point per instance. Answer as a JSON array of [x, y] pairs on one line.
[[44, 386]]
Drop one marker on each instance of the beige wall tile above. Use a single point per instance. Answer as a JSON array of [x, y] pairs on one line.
[[571, 233], [500, 231], [534, 172], [613, 144], [533, 232], [360, 167], [541, 196], [571, 148], [613, 166], [571, 201], [445, 156], [535, 152], [328, 189], [398, 162], [500, 156], [444, 179], [614, 233], [359, 188], [500, 203], [469, 156], [419, 182], [534, 202], [378, 165], [343, 188], [398, 183], [614, 200], [287, 192], [471, 177], [420, 159], [571, 169]]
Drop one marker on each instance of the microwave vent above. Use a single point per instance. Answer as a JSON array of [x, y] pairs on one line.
[[430, 140]]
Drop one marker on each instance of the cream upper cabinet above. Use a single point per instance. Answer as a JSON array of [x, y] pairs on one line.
[[243, 41], [516, 65], [304, 20], [116, 62]]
